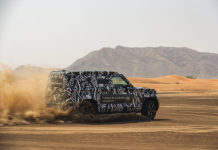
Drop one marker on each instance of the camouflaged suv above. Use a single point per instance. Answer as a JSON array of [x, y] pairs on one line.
[[100, 92]]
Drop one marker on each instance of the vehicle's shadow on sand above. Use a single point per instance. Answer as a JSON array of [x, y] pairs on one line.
[[115, 118], [162, 120], [123, 120]]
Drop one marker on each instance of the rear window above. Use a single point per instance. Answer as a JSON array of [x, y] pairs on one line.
[[56, 79]]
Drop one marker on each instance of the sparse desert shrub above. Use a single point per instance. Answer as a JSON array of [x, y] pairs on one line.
[[190, 77]]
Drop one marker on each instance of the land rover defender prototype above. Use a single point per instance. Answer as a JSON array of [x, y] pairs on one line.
[[99, 92]]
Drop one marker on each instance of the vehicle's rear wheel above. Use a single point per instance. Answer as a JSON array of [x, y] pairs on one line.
[[87, 107], [149, 109], [65, 106]]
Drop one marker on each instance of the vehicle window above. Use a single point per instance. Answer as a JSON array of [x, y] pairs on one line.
[[118, 81], [103, 81]]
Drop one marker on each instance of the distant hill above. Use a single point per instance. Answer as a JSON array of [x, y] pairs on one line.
[[23, 69], [29, 70], [150, 62]]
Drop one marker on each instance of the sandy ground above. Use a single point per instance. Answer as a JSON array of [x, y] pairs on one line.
[[187, 119]]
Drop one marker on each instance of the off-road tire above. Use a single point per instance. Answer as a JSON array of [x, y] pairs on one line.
[[87, 107], [149, 109]]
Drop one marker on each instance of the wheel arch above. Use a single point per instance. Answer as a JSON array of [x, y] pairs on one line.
[[93, 102]]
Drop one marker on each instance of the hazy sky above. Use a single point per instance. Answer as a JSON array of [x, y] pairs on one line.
[[55, 33]]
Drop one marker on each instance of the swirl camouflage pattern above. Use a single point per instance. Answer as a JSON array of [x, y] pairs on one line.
[[108, 92]]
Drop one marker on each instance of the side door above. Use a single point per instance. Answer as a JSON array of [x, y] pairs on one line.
[[119, 99]]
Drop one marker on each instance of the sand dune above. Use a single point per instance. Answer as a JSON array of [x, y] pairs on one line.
[[179, 85]]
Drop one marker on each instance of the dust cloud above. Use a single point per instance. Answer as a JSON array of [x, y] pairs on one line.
[[22, 101]]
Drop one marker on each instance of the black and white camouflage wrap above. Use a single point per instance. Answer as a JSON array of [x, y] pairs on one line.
[[69, 88]]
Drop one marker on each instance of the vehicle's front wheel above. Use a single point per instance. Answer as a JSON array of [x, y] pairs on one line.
[[149, 109], [87, 107]]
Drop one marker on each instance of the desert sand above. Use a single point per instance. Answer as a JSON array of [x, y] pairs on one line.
[[187, 119]]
